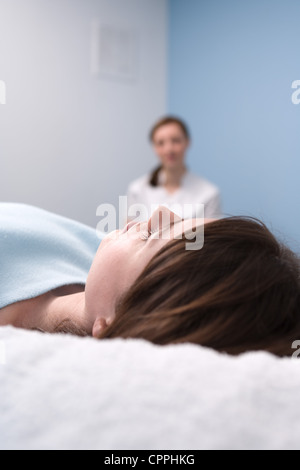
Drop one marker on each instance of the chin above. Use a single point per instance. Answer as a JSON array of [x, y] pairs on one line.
[[171, 165]]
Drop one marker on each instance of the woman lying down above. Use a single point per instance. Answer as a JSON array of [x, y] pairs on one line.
[[240, 292]]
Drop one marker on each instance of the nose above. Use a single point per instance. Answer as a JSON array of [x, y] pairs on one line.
[[162, 218], [169, 147]]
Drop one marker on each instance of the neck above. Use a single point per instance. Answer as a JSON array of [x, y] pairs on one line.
[[63, 313], [172, 176]]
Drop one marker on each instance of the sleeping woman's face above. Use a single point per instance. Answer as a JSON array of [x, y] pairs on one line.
[[122, 256]]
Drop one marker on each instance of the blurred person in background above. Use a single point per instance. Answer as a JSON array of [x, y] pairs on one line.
[[171, 183]]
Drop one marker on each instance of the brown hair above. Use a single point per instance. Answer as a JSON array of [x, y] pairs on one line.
[[162, 122], [240, 292]]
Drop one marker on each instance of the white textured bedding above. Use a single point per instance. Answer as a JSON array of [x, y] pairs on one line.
[[63, 392]]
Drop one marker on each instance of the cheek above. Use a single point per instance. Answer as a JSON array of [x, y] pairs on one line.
[[181, 149], [159, 151], [113, 271], [103, 278], [107, 264]]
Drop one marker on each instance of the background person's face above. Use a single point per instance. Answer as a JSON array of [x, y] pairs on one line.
[[170, 145]]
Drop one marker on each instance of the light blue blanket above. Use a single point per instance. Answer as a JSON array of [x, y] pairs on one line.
[[40, 251]]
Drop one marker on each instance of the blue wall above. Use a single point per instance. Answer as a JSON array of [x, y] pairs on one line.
[[231, 66]]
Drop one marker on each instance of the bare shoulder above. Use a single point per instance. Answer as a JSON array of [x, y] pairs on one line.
[[67, 290], [14, 313]]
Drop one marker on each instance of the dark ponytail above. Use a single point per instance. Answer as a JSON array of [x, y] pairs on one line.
[[154, 176]]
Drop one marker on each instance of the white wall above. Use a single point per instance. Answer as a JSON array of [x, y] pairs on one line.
[[70, 141]]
